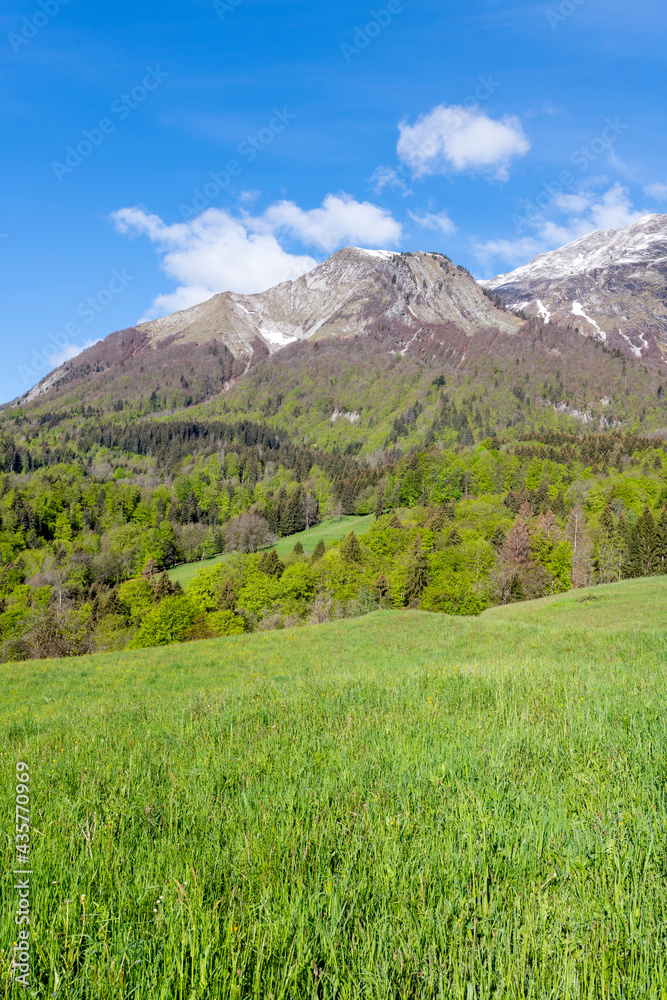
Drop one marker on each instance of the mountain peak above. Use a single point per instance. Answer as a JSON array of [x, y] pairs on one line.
[[609, 284], [400, 298]]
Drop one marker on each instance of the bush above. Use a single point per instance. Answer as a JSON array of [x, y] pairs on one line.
[[169, 622]]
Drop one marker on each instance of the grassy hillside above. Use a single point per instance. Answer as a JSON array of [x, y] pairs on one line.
[[329, 530], [399, 805], [636, 604]]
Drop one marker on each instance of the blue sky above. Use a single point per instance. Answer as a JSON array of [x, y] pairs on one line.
[[157, 153]]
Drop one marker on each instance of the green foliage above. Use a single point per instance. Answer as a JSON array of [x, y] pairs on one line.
[[225, 622], [169, 622]]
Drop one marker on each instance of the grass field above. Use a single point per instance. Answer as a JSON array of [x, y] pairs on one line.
[[329, 531], [403, 805]]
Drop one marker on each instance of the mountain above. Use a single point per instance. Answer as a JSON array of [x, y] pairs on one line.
[[352, 293], [611, 285]]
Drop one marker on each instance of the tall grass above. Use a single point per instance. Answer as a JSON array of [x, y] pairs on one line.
[[397, 806]]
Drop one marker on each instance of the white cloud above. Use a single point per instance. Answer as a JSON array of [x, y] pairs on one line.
[[656, 191], [219, 252], [439, 223], [383, 177], [340, 220], [461, 139], [567, 218]]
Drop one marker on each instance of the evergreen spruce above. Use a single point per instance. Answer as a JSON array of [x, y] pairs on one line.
[[298, 549], [498, 538], [163, 587], [661, 543], [379, 505], [381, 590], [227, 596], [646, 541], [351, 549], [453, 538], [418, 577], [320, 549], [270, 564]]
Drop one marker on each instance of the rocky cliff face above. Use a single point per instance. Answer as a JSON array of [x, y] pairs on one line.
[[611, 285], [355, 292], [340, 298]]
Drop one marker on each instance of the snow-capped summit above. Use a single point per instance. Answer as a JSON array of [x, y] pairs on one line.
[[611, 284]]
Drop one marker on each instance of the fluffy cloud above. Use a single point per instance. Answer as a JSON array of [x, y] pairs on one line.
[[656, 191], [340, 220], [440, 223], [567, 218], [219, 252], [456, 139]]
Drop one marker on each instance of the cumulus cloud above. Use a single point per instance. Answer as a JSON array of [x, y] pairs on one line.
[[339, 220], [439, 223], [383, 177], [219, 252], [456, 139], [567, 218], [657, 191]]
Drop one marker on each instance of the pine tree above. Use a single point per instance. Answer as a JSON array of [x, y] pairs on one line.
[[351, 549], [418, 577], [163, 587], [320, 549], [381, 590], [298, 549], [661, 543], [227, 596], [270, 564], [379, 506], [453, 538], [646, 539], [558, 505], [348, 497], [498, 538]]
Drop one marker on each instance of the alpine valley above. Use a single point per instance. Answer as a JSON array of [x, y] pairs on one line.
[[383, 431]]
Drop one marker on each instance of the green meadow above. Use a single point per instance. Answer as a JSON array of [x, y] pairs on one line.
[[328, 531], [398, 806]]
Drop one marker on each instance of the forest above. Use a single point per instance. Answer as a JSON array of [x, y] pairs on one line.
[[95, 513]]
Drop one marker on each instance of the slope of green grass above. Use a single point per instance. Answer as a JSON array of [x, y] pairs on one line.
[[403, 805], [329, 531], [635, 604]]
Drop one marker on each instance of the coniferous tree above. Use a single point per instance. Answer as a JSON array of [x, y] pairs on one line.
[[351, 549], [271, 564], [661, 543], [558, 505], [320, 549], [646, 541], [298, 549], [163, 587], [498, 538], [418, 577], [453, 538], [381, 590], [379, 505], [227, 596]]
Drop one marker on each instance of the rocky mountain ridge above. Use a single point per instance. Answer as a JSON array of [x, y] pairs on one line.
[[353, 293], [611, 285]]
